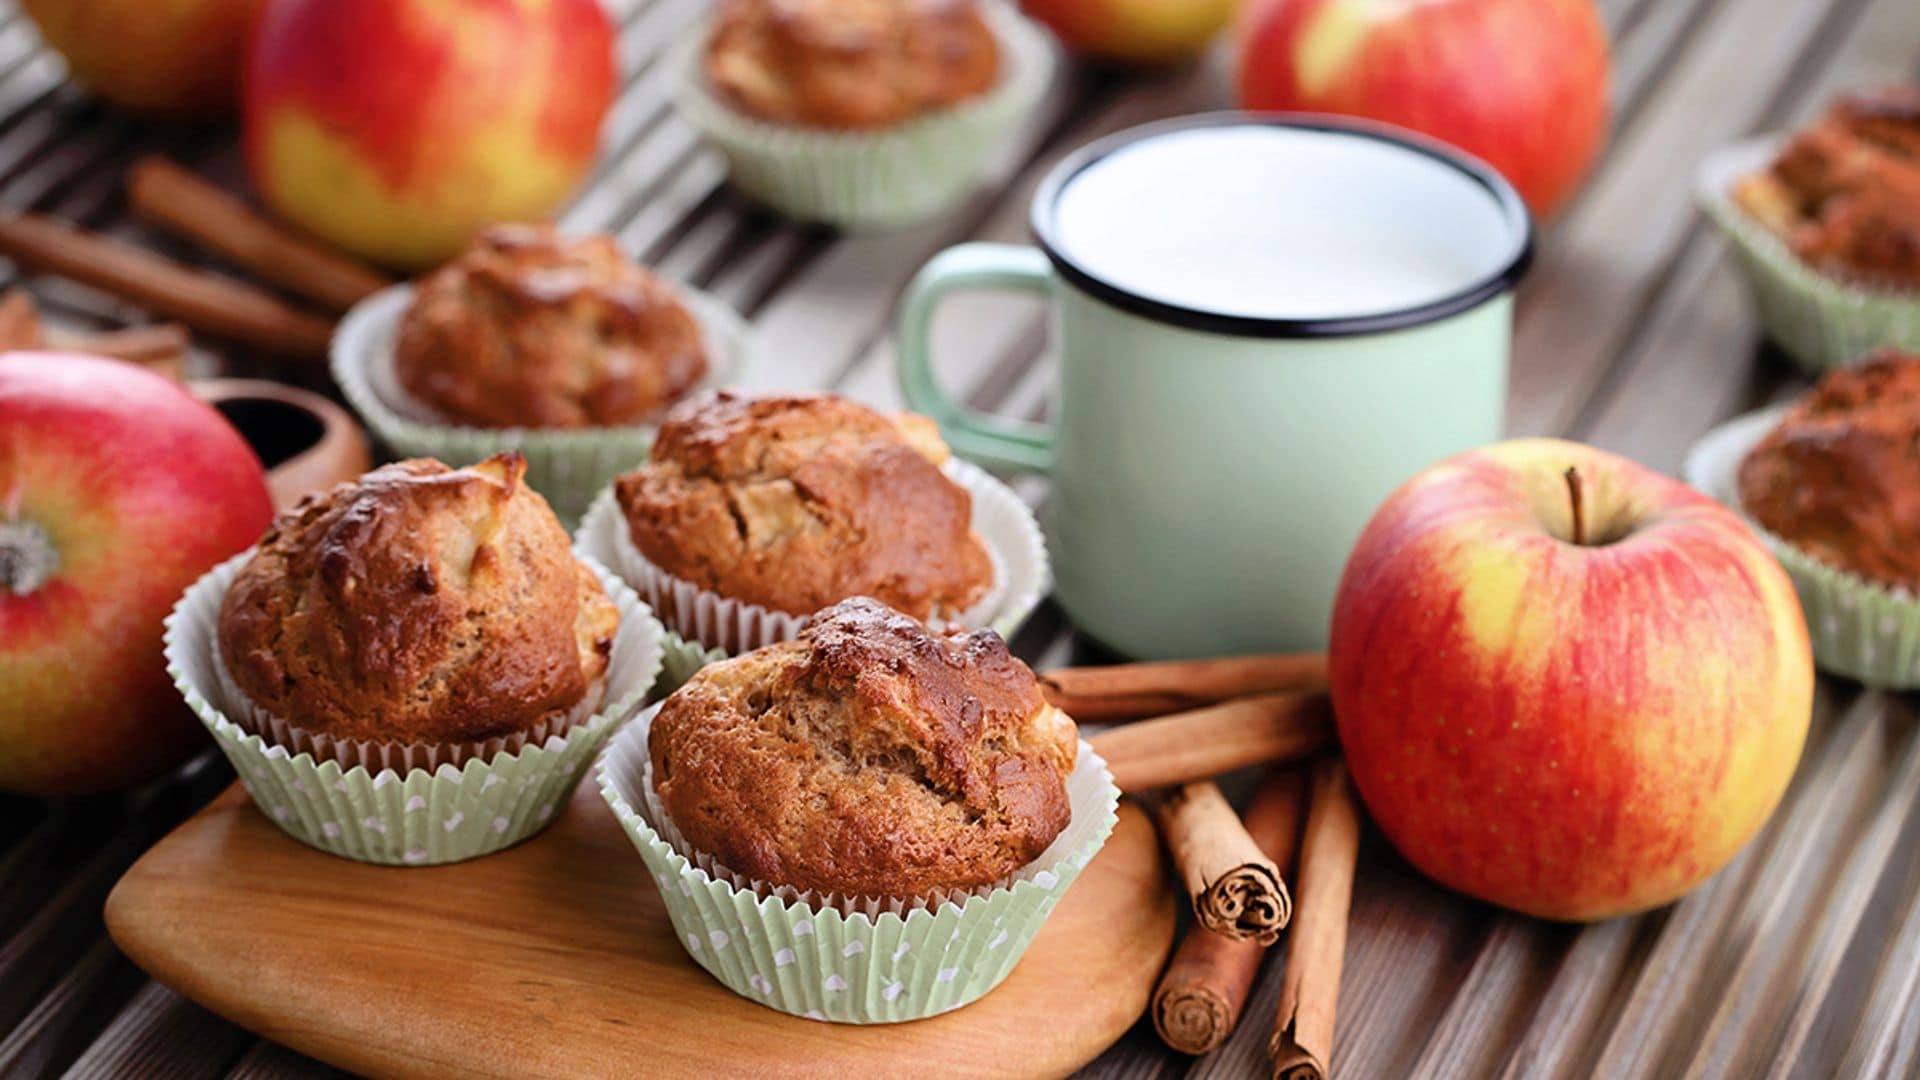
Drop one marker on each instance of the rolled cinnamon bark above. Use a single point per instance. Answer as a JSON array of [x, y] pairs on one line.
[[1204, 743], [1302, 1043], [1204, 989], [170, 197], [20, 326], [220, 306], [1236, 890], [160, 343], [1131, 691]]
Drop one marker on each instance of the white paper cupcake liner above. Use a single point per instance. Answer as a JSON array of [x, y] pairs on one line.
[[415, 816], [397, 756], [871, 180], [1821, 321], [885, 961], [568, 465], [1860, 629], [701, 617]]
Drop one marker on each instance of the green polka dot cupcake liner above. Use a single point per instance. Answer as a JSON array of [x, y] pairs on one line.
[[853, 961], [568, 466], [1860, 629], [871, 180], [680, 660], [705, 626], [1821, 321], [462, 805]]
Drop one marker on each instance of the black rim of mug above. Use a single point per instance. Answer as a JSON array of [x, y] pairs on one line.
[[1511, 206]]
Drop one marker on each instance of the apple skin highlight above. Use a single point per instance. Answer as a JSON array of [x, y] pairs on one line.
[[1574, 732]]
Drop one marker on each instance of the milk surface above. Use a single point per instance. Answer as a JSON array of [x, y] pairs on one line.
[[1270, 222]]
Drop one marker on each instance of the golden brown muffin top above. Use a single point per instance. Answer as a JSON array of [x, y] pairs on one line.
[[869, 757], [797, 501], [1839, 476], [530, 329], [418, 604], [1844, 194], [850, 64]]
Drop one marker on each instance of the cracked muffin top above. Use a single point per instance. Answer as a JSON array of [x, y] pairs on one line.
[[1844, 194], [418, 604], [850, 64], [869, 757], [530, 329], [1839, 476], [798, 501]]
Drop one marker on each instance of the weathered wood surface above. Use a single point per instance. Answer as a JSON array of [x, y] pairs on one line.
[[1803, 958]]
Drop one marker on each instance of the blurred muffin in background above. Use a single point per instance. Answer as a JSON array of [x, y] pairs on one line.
[[529, 329], [851, 65]]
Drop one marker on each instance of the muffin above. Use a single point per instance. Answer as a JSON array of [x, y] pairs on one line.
[[866, 824], [419, 605], [869, 757], [413, 668], [527, 329], [855, 65], [862, 114], [1844, 194], [1839, 476], [793, 502]]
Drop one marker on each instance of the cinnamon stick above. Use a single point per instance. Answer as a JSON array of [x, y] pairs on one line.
[[1236, 890], [1131, 691], [20, 326], [1203, 743], [1204, 989], [220, 306], [1302, 1043], [159, 343], [176, 200]]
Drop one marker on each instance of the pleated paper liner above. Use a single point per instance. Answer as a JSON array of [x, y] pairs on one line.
[[855, 961], [568, 466], [871, 180], [1820, 320], [1859, 628], [416, 816], [704, 620]]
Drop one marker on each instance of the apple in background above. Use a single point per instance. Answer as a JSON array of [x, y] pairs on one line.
[[173, 57], [1573, 722], [1521, 84], [1135, 31], [117, 490], [397, 128]]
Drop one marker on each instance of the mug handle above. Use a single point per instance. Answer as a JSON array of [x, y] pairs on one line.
[[983, 437]]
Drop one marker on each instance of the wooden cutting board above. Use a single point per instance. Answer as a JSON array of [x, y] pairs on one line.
[[556, 958]]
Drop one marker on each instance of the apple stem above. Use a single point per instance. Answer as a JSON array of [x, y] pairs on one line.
[[1579, 507], [27, 557]]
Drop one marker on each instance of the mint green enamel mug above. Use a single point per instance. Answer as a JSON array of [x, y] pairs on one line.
[[1265, 323]]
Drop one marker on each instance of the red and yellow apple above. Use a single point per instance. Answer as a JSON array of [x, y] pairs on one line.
[[396, 129], [117, 490], [1521, 84], [1135, 31], [174, 57], [1571, 713]]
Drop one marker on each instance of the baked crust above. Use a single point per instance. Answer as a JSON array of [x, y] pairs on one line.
[[418, 604], [528, 329], [797, 501], [1844, 194], [1839, 476], [869, 757], [850, 64]]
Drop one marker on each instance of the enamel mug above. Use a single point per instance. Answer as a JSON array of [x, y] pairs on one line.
[[1264, 324]]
